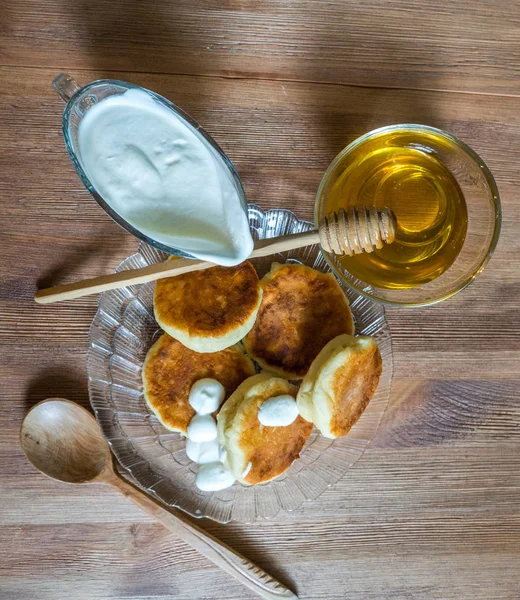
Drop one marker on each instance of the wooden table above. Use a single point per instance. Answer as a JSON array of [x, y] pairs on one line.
[[432, 510]]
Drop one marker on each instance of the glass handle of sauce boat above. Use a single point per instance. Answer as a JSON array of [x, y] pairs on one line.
[[65, 85]]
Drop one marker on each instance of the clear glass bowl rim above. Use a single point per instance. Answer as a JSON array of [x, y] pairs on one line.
[[489, 179]]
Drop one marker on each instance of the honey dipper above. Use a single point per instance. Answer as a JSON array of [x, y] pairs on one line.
[[343, 232]]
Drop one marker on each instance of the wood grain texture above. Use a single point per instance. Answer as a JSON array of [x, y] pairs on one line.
[[432, 509], [469, 45]]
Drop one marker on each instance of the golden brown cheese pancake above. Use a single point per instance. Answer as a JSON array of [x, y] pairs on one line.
[[209, 310], [170, 369], [302, 309], [257, 453], [340, 384]]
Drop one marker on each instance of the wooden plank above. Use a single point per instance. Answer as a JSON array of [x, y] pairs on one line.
[[428, 558], [419, 481], [469, 45]]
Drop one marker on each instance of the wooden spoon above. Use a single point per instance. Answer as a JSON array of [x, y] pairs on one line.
[[63, 441], [345, 232]]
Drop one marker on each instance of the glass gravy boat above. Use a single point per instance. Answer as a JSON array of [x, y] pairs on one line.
[[80, 99]]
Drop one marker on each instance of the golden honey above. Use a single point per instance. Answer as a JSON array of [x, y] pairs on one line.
[[397, 169]]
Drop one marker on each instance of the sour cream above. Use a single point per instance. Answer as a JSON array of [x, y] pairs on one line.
[[203, 453], [202, 446], [206, 395], [214, 477], [202, 428], [158, 173], [278, 411]]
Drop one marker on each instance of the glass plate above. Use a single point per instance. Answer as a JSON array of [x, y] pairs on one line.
[[123, 330]]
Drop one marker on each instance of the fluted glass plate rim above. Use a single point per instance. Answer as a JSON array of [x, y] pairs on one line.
[[120, 335]]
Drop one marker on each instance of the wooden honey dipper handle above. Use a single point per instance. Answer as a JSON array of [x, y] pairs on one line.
[[357, 230], [351, 232]]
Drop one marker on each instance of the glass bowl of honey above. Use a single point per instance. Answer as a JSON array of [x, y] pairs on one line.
[[446, 205]]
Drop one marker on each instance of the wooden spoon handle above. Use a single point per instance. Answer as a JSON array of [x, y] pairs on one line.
[[223, 556], [169, 268]]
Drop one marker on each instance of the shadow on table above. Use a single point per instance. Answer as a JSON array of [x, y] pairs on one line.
[[142, 38], [55, 382], [345, 112], [98, 249], [241, 539]]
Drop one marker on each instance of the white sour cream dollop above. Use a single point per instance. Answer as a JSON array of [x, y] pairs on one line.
[[214, 477], [206, 395], [203, 452], [202, 428], [279, 411]]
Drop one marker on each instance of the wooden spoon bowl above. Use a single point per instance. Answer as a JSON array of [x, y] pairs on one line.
[[63, 441]]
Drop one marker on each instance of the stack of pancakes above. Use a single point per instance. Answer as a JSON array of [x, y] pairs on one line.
[[295, 324]]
